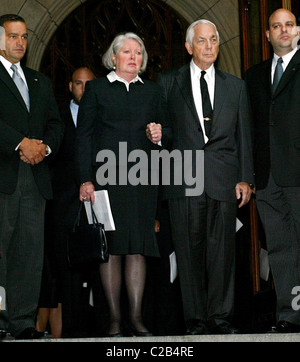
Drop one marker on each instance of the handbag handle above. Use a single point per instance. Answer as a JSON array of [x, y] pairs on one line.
[[78, 216], [94, 217]]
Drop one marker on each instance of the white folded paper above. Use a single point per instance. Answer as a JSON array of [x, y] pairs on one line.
[[173, 267], [102, 210]]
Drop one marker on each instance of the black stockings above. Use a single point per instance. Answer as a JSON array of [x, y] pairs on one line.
[[135, 276]]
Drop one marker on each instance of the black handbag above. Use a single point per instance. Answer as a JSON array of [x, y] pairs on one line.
[[87, 242]]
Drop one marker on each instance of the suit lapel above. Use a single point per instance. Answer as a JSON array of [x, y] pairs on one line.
[[185, 84], [7, 80], [289, 73], [265, 76], [221, 93], [33, 86]]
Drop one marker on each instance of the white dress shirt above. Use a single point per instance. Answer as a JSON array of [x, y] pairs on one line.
[[286, 59], [74, 111], [210, 80], [7, 66]]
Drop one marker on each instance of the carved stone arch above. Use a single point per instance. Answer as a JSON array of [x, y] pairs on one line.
[[43, 18]]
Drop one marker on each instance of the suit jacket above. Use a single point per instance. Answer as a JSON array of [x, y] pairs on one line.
[[42, 122], [276, 123], [228, 154], [65, 188]]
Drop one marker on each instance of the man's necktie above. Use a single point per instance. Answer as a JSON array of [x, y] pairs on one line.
[[278, 74], [206, 105], [21, 85]]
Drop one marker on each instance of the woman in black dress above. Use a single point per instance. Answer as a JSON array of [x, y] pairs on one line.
[[114, 114]]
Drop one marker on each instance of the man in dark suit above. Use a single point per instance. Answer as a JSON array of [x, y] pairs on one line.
[[276, 109], [31, 129], [65, 204], [203, 227]]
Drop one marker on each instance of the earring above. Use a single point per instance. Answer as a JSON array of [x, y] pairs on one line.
[[114, 67]]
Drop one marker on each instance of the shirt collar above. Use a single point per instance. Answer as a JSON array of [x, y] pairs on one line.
[[112, 77], [7, 64], [286, 58], [196, 71]]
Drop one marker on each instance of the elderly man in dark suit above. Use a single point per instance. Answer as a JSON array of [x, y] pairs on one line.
[[203, 227], [31, 129], [274, 87]]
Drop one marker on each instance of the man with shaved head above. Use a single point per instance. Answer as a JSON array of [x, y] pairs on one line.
[[63, 210], [274, 89]]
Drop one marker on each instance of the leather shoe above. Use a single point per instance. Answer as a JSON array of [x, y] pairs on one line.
[[224, 328], [115, 335], [2, 334], [196, 327], [29, 333], [286, 327], [137, 333]]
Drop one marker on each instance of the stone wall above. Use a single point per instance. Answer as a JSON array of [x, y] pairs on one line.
[[44, 16]]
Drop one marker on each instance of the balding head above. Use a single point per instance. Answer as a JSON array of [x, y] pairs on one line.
[[283, 33], [78, 82]]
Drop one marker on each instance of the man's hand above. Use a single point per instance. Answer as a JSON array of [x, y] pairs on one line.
[[154, 132], [243, 191], [32, 151]]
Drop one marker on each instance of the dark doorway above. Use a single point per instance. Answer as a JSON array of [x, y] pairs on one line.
[[87, 32]]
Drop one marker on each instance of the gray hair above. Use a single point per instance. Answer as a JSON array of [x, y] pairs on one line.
[[190, 33], [117, 44]]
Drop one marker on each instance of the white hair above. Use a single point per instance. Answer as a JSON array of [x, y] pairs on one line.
[[117, 44], [190, 33]]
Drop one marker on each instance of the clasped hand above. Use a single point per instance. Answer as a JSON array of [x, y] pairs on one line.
[[32, 151]]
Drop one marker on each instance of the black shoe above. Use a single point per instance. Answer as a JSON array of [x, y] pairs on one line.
[[29, 333], [286, 327], [224, 328], [2, 334], [196, 327], [136, 333], [115, 335]]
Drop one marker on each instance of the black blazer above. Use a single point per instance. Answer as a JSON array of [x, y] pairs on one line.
[[42, 122], [65, 188], [276, 123], [106, 118], [228, 154]]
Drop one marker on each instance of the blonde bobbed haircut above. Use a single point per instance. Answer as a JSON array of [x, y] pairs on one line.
[[117, 44]]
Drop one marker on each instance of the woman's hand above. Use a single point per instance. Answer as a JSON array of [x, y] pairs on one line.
[[86, 192], [154, 132]]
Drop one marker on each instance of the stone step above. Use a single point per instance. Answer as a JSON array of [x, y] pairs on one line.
[[266, 337]]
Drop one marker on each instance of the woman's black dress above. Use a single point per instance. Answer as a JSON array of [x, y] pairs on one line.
[[110, 115]]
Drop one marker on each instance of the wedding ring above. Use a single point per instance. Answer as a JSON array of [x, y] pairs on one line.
[[84, 198]]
